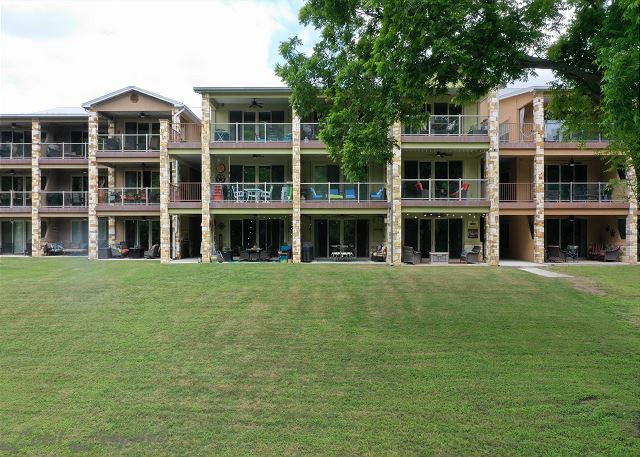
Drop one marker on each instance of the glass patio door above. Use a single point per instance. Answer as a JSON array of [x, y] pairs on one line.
[[341, 235]]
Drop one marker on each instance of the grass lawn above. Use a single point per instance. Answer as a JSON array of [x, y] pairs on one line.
[[105, 357]]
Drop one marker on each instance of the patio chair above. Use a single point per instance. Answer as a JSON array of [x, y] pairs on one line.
[[350, 194], [284, 254], [334, 194], [265, 254], [152, 253], [379, 195], [379, 254], [460, 193], [409, 255], [555, 254], [472, 256], [572, 252], [112, 144], [266, 194], [244, 255], [314, 195], [238, 194]]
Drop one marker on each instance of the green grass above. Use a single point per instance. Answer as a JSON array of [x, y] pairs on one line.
[[106, 357]]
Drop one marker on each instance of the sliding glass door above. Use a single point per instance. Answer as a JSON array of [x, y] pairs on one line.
[[346, 235], [15, 236], [434, 235]]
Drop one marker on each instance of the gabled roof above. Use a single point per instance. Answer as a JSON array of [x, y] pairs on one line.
[[59, 112], [514, 91], [239, 90]]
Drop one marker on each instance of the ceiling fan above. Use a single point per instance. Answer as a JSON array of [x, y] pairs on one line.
[[255, 104], [572, 163], [441, 154]]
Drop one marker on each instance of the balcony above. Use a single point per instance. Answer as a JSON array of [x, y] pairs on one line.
[[15, 201], [15, 150], [252, 195], [555, 132], [584, 192], [64, 200], [447, 126], [64, 150], [516, 133], [335, 195], [121, 143], [444, 192], [129, 196], [254, 132], [516, 192]]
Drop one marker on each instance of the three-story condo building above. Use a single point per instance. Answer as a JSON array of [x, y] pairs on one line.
[[248, 177]]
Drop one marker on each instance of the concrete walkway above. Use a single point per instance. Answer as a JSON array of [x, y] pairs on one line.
[[545, 273]]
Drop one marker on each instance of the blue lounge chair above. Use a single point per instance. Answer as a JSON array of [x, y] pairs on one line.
[[334, 194], [350, 194], [378, 195], [314, 195]]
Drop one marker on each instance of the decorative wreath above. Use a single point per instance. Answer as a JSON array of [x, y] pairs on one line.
[[220, 177], [221, 167]]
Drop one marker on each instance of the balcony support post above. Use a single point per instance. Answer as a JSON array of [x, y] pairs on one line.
[[205, 133], [175, 219], [111, 184], [93, 184], [165, 174], [631, 254], [492, 172], [296, 223], [394, 191], [538, 178], [36, 250]]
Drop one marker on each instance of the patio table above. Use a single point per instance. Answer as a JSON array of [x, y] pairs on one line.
[[252, 194], [439, 257]]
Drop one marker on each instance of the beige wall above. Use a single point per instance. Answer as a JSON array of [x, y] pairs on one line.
[[144, 103], [521, 245], [59, 180]]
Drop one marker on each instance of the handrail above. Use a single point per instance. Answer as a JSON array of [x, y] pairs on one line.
[[516, 133], [15, 150], [64, 199], [582, 192], [15, 198], [124, 196], [516, 192], [184, 132], [186, 192], [444, 189], [64, 150], [129, 142], [244, 192], [450, 125], [251, 132], [344, 191]]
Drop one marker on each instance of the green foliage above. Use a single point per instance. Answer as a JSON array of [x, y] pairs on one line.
[[377, 61]]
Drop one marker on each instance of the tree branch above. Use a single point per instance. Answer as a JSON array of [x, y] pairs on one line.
[[592, 80]]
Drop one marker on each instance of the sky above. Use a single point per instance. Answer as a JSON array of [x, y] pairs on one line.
[[64, 53]]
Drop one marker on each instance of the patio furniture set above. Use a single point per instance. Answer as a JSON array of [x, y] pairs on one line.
[[348, 194], [555, 254]]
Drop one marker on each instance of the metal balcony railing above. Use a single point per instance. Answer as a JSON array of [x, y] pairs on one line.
[[516, 192], [129, 142], [186, 192], [583, 192], [123, 196], [516, 133], [457, 125], [15, 199], [444, 189], [554, 131], [64, 199], [344, 191], [64, 150], [252, 132], [245, 192], [185, 133], [309, 131], [15, 150]]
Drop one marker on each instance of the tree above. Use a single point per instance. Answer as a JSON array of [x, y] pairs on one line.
[[377, 61]]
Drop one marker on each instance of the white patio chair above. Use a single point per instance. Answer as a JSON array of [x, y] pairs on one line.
[[266, 194], [238, 194]]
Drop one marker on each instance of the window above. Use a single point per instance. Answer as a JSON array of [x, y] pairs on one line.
[[622, 228]]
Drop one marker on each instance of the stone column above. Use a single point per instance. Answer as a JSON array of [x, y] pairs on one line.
[[111, 184], [538, 179], [296, 235], [175, 219], [394, 193], [631, 252], [492, 173], [93, 184], [205, 246], [36, 245], [165, 173]]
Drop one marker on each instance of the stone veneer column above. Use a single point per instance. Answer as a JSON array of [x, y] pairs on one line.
[[175, 219], [296, 223], [205, 246], [492, 173], [93, 184], [631, 252], [538, 179], [165, 173], [36, 245], [111, 184], [394, 193]]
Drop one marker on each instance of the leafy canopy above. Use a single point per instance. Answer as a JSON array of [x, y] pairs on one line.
[[377, 61]]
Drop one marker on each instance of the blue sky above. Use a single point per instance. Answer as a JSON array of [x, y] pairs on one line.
[[85, 48]]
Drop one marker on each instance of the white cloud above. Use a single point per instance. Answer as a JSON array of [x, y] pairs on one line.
[[163, 46]]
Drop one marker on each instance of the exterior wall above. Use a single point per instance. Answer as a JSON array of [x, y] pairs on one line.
[[125, 103], [521, 246], [510, 107]]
